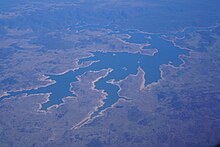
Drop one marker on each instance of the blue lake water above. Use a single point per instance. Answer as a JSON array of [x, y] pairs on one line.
[[122, 63], [137, 38]]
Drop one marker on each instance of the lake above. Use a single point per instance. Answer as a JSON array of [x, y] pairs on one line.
[[122, 65]]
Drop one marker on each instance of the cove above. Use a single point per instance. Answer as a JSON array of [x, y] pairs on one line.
[[122, 65]]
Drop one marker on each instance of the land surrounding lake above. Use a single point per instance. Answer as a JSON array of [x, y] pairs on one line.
[[109, 73]]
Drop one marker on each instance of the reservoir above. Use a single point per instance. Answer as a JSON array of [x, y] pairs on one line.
[[122, 65]]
